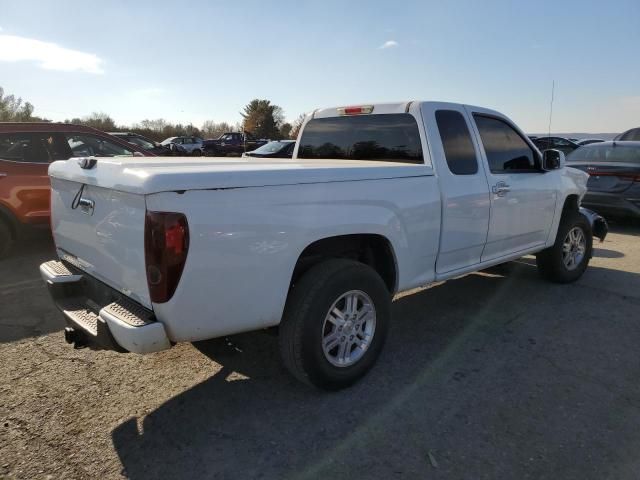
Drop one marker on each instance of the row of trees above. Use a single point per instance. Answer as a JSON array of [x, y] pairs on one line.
[[260, 117], [13, 109]]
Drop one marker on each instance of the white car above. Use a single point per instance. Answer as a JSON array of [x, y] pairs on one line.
[[186, 145], [378, 199]]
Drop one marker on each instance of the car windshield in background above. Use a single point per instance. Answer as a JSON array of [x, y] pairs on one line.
[[386, 137], [606, 153], [271, 147], [141, 142]]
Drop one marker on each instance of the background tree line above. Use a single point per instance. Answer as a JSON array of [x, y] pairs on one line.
[[260, 118]]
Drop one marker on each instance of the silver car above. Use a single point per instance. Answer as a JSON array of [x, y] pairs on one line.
[[184, 145]]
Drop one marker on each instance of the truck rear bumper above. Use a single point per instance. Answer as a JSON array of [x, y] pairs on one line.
[[100, 317]]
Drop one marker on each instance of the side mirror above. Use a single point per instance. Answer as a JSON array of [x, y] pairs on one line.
[[552, 160]]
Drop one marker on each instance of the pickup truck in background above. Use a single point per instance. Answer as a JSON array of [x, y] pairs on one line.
[[231, 143], [378, 199]]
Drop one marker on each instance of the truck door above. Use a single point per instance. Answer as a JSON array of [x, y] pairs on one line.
[[463, 185], [523, 196]]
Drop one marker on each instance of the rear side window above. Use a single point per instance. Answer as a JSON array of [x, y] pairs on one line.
[[633, 134], [456, 140], [386, 137], [32, 147], [506, 150], [606, 153]]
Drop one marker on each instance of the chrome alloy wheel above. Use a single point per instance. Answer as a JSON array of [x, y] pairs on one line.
[[574, 248], [348, 328]]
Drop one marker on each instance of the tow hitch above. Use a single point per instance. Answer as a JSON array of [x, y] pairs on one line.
[[74, 337]]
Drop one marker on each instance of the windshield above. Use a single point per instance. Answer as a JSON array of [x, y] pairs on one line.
[[606, 153], [389, 137], [272, 147]]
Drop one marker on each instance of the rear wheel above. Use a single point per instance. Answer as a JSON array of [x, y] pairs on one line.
[[569, 257], [6, 239], [335, 324], [196, 153]]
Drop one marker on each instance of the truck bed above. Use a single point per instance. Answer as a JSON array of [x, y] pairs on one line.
[[147, 176]]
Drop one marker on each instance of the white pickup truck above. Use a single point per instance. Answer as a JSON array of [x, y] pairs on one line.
[[377, 199]]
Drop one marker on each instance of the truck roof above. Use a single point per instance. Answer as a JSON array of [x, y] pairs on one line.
[[388, 107]]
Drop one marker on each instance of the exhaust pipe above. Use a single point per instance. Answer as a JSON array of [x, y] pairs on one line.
[[73, 336]]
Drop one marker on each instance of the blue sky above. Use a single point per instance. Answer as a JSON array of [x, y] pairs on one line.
[[196, 61]]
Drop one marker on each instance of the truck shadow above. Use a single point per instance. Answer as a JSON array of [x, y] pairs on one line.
[[448, 351]]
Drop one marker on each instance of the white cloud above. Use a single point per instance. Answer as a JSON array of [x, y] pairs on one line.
[[389, 44], [48, 55]]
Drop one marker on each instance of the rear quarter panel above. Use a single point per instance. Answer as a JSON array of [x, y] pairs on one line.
[[245, 242]]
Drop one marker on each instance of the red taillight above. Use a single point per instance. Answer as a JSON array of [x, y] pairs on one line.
[[627, 176], [355, 110], [166, 243]]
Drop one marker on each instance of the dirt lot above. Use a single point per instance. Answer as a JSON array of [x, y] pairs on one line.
[[494, 375]]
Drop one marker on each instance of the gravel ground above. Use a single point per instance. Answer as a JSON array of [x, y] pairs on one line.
[[493, 375]]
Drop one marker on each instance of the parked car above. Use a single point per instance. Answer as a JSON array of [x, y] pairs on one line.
[[589, 141], [184, 145], [382, 199], [633, 134], [558, 143], [614, 176], [143, 142], [26, 150], [232, 143], [275, 149]]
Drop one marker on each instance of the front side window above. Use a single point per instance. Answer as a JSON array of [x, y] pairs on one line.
[[32, 147], [386, 137], [457, 143], [506, 150], [86, 145]]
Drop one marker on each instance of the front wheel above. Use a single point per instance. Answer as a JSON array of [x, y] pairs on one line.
[[335, 324], [569, 256]]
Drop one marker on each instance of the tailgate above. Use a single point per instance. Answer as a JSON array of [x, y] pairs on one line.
[[104, 235]]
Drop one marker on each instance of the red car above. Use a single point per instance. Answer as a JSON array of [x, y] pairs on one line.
[[26, 149]]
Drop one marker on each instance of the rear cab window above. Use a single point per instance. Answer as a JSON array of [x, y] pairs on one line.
[[392, 137]]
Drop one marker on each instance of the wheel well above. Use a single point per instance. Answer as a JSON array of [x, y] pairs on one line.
[[571, 203], [370, 249]]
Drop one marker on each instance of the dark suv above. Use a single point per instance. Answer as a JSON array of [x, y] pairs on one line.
[[26, 149]]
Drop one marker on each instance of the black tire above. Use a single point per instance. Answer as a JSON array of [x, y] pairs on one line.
[[309, 301], [196, 153], [550, 261], [6, 239]]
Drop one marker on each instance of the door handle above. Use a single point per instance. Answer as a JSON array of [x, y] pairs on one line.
[[500, 189], [2, 174]]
